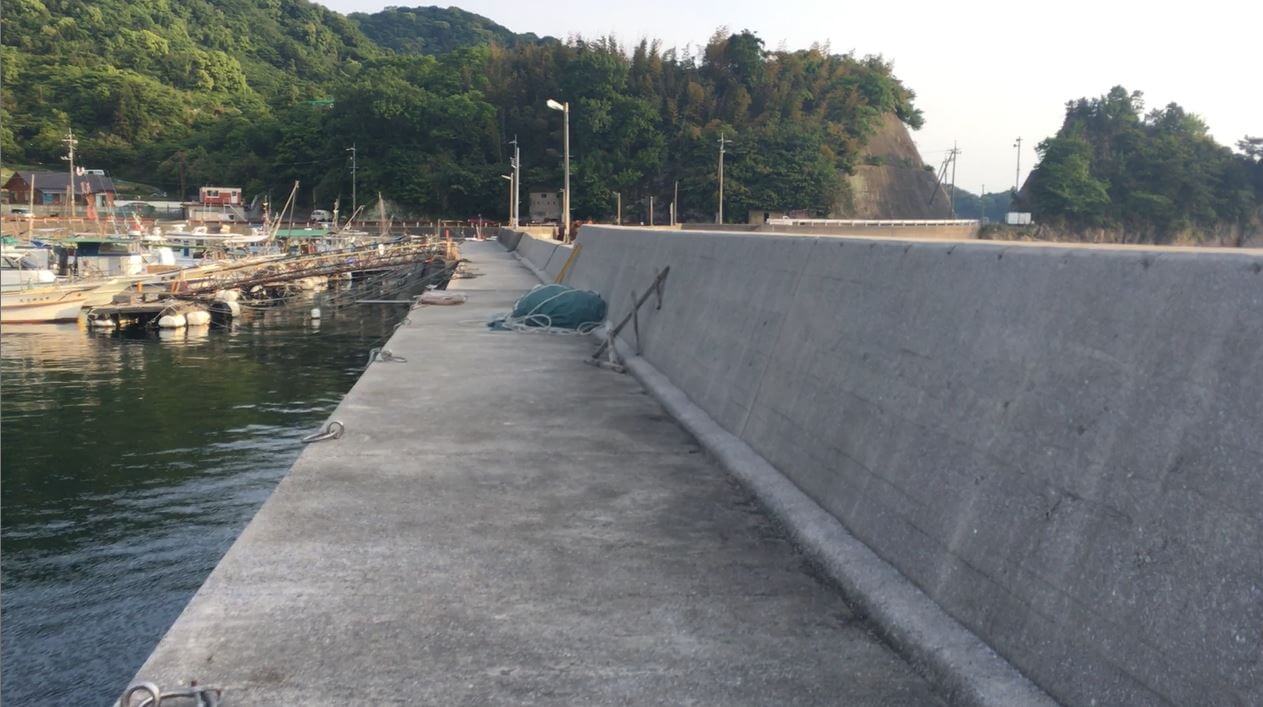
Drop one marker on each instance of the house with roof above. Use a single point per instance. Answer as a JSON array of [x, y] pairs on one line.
[[51, 187]]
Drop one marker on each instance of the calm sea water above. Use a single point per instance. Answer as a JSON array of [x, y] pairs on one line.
[[129, 464]]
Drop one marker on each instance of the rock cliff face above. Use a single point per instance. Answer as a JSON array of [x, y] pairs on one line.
[[897, 186]]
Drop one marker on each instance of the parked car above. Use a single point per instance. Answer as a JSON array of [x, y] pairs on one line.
[[321, 216]]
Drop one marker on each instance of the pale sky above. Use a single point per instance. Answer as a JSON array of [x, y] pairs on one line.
[[985, 72]]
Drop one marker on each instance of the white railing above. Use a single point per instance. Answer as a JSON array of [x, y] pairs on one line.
[[869, 222]]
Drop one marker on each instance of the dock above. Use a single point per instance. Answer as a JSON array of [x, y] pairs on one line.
[[501, 523]]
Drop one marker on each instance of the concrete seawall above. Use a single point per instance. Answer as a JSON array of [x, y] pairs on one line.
[[546, 255], [1059, 445], [941, 231]]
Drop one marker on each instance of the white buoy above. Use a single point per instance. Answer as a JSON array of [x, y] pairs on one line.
[[315, 312], [197, 318], [172, 321]]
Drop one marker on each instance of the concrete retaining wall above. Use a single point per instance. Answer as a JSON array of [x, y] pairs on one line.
[[508, 238], [946, 232], [546, 254], [1062, 446]]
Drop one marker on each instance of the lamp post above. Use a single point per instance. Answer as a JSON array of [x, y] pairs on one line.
[[512, 216], [565, 141]]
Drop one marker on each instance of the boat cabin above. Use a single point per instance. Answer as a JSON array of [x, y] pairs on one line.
[[93, 256]]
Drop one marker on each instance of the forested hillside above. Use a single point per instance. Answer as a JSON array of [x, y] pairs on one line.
[[436, 30], [1155, 177], [262, 93]]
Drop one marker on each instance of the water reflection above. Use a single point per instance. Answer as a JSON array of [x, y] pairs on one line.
[[131, 460]]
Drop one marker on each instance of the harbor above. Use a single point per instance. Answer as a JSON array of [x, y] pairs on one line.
[[499, 522], [358, 353], [132, 460], [499, 512], [136, 291]]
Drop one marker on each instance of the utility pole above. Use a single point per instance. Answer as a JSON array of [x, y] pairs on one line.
[[354, 202], [184, 192], [982, 204], [618, 208], [512, 218], [955, 151], [675, 202], [565, 204], [517, 184], [651, 211], [722, 142], [30, 222], [70, 145], [1017, 177]]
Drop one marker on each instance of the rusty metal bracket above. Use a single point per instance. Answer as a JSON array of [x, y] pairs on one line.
[[634, 315]]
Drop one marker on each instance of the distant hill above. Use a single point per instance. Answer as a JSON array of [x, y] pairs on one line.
[[1117, 171], [436, 30], [266, 94], [892, 182]]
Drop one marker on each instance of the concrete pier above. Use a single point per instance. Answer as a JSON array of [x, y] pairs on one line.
[[501, 523]]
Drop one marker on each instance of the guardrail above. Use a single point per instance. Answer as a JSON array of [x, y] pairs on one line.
[[870, 222]]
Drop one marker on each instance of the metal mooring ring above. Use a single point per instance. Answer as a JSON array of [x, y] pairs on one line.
[[333, 430]]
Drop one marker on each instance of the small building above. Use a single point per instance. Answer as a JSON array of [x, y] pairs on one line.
[[50, 190], [219, 196], [223, 213], [766, 215], [545, 206]]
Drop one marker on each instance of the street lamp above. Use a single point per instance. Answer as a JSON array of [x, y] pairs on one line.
[[512, 218], [565, 141]]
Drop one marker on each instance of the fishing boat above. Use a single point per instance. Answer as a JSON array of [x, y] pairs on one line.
[[191, 247], [53, 303], [22, 267], [32, 292]]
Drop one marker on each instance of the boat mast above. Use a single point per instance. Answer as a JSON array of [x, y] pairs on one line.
[[70, 143], [30, 222], [381, 214]]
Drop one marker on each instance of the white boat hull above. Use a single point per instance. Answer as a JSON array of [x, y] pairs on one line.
[[42, 305], [46, 305]]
